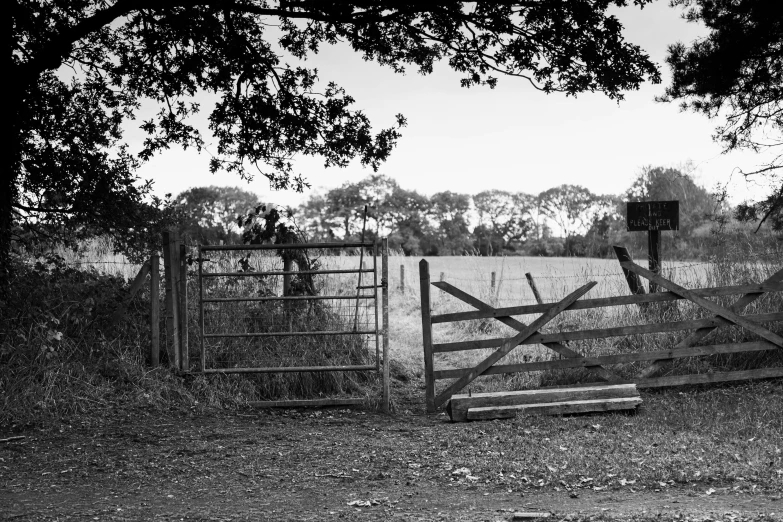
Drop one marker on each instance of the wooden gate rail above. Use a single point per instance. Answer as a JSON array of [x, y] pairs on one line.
[[560, 349], [739, 305], [600, 333], [512, 343], [601, 302], [528, 335]]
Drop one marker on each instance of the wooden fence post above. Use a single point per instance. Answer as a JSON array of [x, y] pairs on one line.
[[155, 310], [426, 330], [492, 283], [442, 276], [183, 307], [402, 279], [654, 255], [171, 273], [634, 281], [385, 306], [532, 284]]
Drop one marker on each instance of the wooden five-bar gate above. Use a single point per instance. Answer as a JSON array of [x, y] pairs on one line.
[[530, 334]]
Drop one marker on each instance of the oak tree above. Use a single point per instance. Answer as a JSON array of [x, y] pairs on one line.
[[211, 214], [735, 75]]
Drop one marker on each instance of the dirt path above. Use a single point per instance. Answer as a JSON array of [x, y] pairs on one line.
[[304, 466]]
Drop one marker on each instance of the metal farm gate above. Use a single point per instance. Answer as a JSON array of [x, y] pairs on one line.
[[309, 307]]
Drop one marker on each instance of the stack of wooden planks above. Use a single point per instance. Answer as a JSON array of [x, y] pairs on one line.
[[553, 401]]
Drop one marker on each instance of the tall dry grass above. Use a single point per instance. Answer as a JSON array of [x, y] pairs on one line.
[[555, 278], [60, 357], [281, 317]]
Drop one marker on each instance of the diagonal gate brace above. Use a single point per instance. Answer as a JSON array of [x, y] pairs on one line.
[[512, 343], [715, 308], [701, 333], [600, 371]]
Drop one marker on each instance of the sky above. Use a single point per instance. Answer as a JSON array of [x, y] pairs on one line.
[[513, 138]]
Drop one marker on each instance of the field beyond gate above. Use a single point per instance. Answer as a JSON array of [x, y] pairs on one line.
[[596, 355]]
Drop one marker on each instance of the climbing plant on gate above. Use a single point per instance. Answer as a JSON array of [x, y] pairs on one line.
[[265, 224]]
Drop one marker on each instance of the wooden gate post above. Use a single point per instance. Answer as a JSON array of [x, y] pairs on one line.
[[171, 272], [154, 310], [183, 307], [426, 330], [634, 281], [402, 279], [654, 255]]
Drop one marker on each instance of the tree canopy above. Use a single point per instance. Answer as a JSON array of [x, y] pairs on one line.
[[735, 74], [212, 214], [81, 70]]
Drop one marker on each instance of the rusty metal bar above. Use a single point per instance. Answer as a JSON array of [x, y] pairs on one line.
[[292, 334], [293, 246], [283, 298], [282, 272], [289, 369]]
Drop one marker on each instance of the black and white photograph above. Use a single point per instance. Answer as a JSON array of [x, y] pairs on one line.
[[339, 260]]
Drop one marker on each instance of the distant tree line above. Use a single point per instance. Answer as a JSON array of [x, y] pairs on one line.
[[568, 220]]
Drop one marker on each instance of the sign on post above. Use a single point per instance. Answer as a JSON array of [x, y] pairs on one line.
[[653, 216]]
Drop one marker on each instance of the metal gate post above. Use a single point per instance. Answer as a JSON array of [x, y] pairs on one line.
[[385, 299]]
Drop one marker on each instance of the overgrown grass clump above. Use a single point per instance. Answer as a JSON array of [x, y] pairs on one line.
[[61, 354]]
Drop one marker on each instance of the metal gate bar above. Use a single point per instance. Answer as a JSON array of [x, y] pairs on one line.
[[290, 272], [299, 246]]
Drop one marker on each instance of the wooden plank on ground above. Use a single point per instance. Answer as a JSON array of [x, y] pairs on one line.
[[705, 303], [512, 343], [460, 404], [601, 373], [306, 403], [707, 378], [560, 364], [554, 408], [602, 302], [701, 333], [602, 333]]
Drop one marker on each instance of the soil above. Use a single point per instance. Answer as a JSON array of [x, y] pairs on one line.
[[297, 465]]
